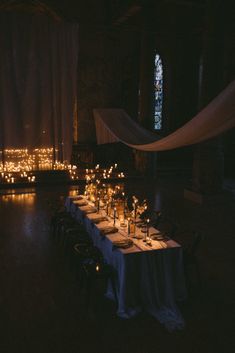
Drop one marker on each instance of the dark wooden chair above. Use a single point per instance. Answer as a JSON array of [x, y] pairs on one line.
[[55, 219], [167, 226], [92, 271], [96, 274], [65, 223], [84, 252]]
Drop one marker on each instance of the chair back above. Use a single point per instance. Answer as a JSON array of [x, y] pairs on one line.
[[196, 242]]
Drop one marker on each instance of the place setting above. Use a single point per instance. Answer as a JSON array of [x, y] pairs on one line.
[[111, 210]]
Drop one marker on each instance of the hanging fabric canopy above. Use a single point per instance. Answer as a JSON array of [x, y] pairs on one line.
[[113, 125]]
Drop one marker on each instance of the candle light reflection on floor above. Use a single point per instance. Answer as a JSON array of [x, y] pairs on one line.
[[21, 198]]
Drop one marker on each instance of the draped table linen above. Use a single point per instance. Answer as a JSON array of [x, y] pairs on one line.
[[149, 278]]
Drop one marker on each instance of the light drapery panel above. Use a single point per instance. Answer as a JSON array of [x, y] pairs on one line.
[[113, 125], [38, 71]]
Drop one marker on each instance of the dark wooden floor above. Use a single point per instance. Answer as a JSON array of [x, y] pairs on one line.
[[42, 307]]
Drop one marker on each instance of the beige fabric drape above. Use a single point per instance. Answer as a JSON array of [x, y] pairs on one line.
[[114, 125]]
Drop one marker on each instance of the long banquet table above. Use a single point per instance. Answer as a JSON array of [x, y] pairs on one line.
[[149, 278]]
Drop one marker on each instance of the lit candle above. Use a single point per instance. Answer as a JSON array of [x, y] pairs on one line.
[[98, 204], [114, 215], [135, 208], [148, 228], [129, 230], [124, 204]]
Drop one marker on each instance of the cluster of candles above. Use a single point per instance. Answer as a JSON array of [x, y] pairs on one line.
[[19, 164], [16, 160], [108, 173], [114, 201], [11, 178]]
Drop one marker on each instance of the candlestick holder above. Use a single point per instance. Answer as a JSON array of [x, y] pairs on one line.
[[146, 237], [107, 208], [144, 231], [133, 223], [132, 228], [128, 226], [134, 236], [122, 221]]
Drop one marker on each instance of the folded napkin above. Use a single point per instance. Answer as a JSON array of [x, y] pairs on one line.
[[88, 209], [108, 230], [79, 197], [97, 220], [124, 243], [80, 202], [159, 236]]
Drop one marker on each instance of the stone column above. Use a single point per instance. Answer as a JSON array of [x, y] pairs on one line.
[[208, 156], [146, 92]]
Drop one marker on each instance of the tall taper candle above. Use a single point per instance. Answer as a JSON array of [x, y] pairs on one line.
[[114, 215], [124, 204], [129, 229], [98, 204], [135, 209], [148, 228]]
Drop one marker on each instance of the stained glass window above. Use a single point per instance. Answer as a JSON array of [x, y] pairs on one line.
[[158, 92]]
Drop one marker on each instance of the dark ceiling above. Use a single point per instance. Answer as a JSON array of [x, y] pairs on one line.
[[160, 16]]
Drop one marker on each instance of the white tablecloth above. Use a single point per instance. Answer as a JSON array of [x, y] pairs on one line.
[[149, 278]]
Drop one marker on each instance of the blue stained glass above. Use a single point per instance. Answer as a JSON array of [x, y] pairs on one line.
[[158, 92]]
